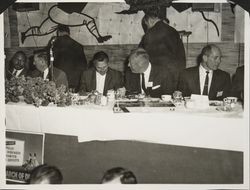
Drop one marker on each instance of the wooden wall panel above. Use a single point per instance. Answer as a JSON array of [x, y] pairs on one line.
[[228, 23]]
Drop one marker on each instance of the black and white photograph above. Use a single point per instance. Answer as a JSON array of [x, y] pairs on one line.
[[149, 92]]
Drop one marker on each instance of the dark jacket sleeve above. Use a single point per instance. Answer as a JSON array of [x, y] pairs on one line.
[[227, 85], [120, 80], [83, 85], [238, 83], [183, 85]]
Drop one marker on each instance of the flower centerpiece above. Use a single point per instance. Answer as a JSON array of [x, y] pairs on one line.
[[36, 91]]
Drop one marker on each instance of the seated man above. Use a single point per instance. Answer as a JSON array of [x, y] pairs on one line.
[[100, 78], [18, 65], [151, 80], [45, 174], [238, 84], [206, 79], [44, 70], [119, 175]]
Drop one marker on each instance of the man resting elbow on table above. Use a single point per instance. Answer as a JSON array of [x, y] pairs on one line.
[[150, 79], [206, 78], [101, 77]]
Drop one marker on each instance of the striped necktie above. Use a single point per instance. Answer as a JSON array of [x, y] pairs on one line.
[[205, 89]]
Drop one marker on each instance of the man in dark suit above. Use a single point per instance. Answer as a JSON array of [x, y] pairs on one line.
[[238, 83], [44, 70], [206, 79], [163, 44], [150, 79], [69, 56], [100, 78], [18, 65]]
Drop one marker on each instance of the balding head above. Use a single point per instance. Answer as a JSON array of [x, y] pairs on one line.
[[139, 60], [211, 57]]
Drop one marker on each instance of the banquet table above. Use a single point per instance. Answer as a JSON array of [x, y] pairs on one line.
[[209, 128]]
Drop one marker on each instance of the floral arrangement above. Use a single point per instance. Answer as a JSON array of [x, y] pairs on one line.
[[36, 91]]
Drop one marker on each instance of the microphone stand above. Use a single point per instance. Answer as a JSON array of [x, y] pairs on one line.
[[53, 39]]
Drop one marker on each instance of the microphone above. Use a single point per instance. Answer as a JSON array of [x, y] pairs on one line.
[[53, 39]]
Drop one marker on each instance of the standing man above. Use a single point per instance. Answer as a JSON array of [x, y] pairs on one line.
[[69, 56], [100, 77], [151, 79], [163, 44], [206, 78]]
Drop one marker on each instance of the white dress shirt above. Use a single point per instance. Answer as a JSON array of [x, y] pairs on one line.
[[45, 73], [100, 82], [202, 74], [16, 73], [146, 77]]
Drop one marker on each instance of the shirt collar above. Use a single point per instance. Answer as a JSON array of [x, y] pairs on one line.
[[203, 70], [99, 75], [148, 70]]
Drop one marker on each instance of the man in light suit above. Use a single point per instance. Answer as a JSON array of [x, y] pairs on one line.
[[206, 79], [100, 78], [44, 70], [150, 80]]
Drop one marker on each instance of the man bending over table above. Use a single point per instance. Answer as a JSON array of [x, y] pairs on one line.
[[206, 78], [100, 78], [151, 80]]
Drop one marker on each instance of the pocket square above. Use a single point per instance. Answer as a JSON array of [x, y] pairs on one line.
[[220, 93], [155, 87]]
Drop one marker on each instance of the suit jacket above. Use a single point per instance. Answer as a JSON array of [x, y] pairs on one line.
[[162, 79], [60, 77], [164, 46], [189, 83], [10, 71], [238, 83], [70, 57], [113, 80]]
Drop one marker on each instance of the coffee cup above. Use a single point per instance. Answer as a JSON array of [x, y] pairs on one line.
[[166, 97], [230, 101]]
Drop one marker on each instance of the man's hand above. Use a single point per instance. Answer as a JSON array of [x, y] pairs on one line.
[[121, 92]]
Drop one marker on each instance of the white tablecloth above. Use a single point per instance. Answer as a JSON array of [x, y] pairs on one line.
[[100, 123]]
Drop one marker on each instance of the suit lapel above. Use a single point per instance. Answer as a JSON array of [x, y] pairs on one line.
[[93, 81], [213, 83], [197, 80], [107, 81], [152, 75]]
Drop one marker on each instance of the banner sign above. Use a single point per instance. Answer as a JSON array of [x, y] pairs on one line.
[[14, 152], [24, 152]]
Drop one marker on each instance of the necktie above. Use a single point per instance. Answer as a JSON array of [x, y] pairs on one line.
[[205, 89], [143, 84]]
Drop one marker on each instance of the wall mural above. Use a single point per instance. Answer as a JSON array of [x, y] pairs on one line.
[[57, 14], [90, 24]]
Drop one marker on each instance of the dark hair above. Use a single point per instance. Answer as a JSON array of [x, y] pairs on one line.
[[20, 52], [63, 28], [126, 176], [52, 173], [26, 64], [152, 11], [100, 56]]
